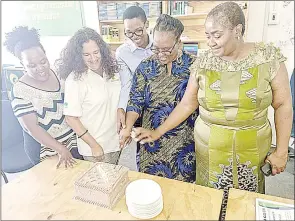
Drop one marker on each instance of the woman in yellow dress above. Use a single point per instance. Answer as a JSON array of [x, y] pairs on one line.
[[233, 85]]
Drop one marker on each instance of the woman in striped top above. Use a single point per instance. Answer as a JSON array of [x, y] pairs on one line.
[[38, 98]]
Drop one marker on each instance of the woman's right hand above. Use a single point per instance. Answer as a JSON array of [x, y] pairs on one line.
[[65, 157], [125, 137], [97, 152], [121, 115]]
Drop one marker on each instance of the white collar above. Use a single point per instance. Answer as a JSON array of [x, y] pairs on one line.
[[133, 47]]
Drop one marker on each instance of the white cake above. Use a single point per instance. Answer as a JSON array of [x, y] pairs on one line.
[[103, 184]]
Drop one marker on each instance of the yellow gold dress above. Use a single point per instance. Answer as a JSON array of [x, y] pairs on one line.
[[232, 132]]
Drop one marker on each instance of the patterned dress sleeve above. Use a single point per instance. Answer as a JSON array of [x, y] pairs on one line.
[[194, 68], [136, 96], [276, 58], [20, 104]]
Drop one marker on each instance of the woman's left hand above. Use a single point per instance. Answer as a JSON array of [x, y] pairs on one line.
[[278, 162], [143, 135]]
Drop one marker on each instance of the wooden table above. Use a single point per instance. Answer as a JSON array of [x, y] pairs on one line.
[[45, 192], [241, 204]]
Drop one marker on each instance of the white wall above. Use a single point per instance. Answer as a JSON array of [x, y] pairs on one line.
[[8, 21], [280, 34], [256, 21], [52, 44], [91, 14]]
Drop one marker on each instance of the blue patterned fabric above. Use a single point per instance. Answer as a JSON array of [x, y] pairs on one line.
[[154, 95]]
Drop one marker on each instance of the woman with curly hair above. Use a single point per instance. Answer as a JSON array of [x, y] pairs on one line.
[[37, 98], [92, 92]]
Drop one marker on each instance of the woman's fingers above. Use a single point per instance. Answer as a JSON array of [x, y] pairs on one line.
[[141, 133], [58, 163], [66, 164], [73, 161], [146, 140]]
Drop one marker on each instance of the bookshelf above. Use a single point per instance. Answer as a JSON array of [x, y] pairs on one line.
[[110, 15], [191, 16], [116, 21], [191, 13]]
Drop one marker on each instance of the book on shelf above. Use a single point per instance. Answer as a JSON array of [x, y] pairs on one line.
[[113, 11], [177, 7], [191, 48], [110, 33]]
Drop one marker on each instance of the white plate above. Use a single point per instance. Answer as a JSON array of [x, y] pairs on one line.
[[146, 210], [131, 203], [145, 215], [143, 192]]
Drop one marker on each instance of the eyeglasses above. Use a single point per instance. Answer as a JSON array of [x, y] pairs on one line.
[[138, 32], [157, 51]]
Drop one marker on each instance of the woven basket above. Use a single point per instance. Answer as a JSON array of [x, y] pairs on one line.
[[103, 185]]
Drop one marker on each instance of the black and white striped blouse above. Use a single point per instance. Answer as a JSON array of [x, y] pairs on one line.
[[48, 106]]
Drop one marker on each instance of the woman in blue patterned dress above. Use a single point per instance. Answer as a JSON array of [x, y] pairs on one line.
[[37, 98], [158, 85]]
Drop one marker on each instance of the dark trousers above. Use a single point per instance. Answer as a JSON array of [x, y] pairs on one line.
[[32, 148]]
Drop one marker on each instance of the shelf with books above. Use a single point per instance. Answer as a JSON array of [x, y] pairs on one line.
[[115, 21], [193, 40], [110, 18], [202, 43], [120, 21], [191, 16], [195, 7], [114, 10]]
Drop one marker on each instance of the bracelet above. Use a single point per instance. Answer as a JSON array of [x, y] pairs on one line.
[[83, 134]]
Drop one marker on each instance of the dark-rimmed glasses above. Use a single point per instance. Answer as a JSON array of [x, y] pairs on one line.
[[138, 32], [157, 51]]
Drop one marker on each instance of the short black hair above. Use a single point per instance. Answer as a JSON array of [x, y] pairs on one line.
[[134, 12], [22, 38], [228, 14]]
